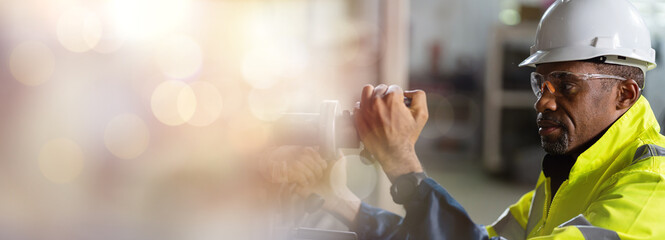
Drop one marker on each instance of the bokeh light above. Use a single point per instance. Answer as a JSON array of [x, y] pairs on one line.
[[269, 104], [61, 160], [173, 102], [234, 94], [79, 29], [296, 60], [32, 63], [179, 56], [126, 136], [208, 104], [111, 38], [510, 17]]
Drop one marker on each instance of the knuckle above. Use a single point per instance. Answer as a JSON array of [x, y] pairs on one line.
[[423, 115]]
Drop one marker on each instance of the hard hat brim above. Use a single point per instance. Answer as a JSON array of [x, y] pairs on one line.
[[578, 53]]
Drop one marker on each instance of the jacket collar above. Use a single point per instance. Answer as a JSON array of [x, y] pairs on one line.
[[621, 134]]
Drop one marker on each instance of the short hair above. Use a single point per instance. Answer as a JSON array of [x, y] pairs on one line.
[[627, 72]]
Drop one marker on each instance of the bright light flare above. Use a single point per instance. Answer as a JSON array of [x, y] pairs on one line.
[[79, 29], [264, 67], [173, 102], [31, 63], [126, 136], [140, 20], [276, 51], [61, 160]]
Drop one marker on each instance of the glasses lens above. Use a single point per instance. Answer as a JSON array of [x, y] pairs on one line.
[[565, 76]]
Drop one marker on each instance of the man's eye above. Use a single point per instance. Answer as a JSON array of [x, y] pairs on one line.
[[568, 87]]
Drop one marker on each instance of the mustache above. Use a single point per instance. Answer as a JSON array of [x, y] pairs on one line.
[[548, 117]]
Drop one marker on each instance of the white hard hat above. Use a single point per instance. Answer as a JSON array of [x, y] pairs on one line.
[[573, 30]]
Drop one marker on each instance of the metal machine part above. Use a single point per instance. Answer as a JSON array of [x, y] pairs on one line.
[[329, 129]]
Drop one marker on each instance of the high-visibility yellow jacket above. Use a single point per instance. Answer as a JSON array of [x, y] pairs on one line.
[[615, 189]]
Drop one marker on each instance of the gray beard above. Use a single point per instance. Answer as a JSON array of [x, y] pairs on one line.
[[557, 147]]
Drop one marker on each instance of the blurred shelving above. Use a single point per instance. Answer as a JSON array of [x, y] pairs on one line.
[[509, 128]]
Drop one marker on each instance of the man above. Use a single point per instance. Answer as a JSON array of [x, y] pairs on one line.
[[604, 174]]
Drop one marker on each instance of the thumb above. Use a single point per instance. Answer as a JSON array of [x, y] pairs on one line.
[[418, 105]]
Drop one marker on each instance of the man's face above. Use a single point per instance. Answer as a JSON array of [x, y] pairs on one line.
[[569, 119]]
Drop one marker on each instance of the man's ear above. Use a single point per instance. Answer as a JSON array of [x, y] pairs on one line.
[[629, 92]]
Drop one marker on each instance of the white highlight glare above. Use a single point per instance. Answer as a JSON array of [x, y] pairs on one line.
[[148, 18], [173, 102], [31, 63], [79, 29], [126, 136], [61, 160], [179, 57]]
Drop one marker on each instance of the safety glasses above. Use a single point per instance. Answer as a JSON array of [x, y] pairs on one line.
[[562, 82]]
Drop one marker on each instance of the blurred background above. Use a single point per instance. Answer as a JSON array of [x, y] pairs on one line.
[[141, 119]]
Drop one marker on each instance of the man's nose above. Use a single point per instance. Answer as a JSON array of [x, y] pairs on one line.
[[547, 101]]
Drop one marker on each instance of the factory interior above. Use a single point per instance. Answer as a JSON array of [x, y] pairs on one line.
[[146, 119]]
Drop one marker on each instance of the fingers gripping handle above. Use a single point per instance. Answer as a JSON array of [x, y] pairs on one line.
[[366, 156], [344, 131]]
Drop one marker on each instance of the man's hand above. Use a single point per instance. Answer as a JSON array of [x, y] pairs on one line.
[[305, 170], [389, 129], [293, 165]]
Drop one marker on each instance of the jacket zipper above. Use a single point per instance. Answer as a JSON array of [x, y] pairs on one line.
[[551, 204]]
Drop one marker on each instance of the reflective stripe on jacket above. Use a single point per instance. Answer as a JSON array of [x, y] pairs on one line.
[[615, 190]]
